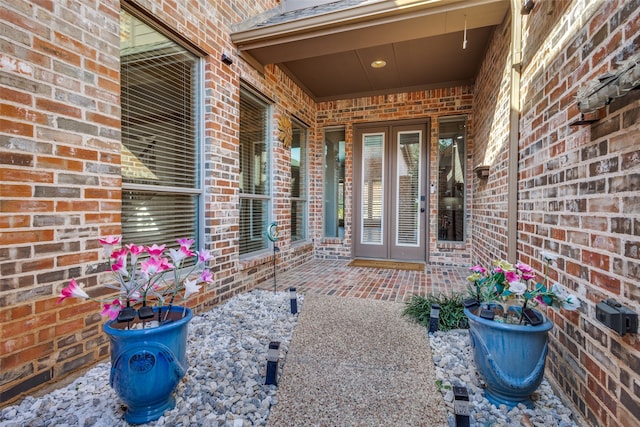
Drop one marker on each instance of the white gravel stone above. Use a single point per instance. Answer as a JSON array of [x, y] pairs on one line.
[[224, 384], [453, 357]]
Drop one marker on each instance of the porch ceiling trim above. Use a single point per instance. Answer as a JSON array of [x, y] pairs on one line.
[[357, 32]]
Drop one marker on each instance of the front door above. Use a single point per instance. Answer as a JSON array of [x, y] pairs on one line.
[[390, 199]]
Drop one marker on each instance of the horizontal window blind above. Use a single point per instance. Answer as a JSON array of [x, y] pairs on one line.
[[254, 173], [160, 116], [149, 217]]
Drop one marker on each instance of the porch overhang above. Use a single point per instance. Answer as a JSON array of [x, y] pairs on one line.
[[328, 49]]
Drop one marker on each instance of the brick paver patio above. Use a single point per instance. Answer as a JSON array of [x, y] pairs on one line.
[[331, 277]]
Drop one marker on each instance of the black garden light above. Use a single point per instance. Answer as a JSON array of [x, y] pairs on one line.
[[294, 300], [461, 407], [433, 318], [273, 355]]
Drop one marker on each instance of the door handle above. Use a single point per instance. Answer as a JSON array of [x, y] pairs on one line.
[[421, 209]]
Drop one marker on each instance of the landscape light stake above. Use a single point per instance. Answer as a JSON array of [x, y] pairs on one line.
[[433, 318], [272, 363], [294, 300], [461, 407]]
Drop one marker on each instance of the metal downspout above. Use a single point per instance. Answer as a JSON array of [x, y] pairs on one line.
[[514, 131]]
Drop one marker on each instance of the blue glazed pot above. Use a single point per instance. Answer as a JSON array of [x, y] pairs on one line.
[[509, 358], [147, 365]]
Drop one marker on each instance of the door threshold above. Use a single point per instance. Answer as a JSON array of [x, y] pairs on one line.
[[389, 264]]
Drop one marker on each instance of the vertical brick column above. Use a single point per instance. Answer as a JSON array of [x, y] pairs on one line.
[[59, 181]]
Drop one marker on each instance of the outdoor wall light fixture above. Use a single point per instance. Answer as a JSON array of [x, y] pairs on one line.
[[226, 59], [482, 171], [272, 363], [617, 317], [379, 63]]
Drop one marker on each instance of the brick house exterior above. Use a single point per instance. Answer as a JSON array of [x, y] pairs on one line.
[[577, 186]]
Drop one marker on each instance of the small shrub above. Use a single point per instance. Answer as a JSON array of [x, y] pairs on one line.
[[418, 308]]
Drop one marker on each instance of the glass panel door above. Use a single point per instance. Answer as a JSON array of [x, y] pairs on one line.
[[389, 199], [408, 188], [408, 197]]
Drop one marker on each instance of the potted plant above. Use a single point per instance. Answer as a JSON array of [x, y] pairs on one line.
[[147, 332], [509, 337]]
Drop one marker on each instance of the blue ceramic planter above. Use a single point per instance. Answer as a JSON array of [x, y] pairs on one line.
[[147, 365], [510, 358]]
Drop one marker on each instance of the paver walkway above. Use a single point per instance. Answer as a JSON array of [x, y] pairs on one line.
[[353, 359], [357, 362]]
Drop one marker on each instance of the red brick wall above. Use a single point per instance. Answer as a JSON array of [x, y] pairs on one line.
[[60, 182], [432, 104], [490, 148], [578, 193]]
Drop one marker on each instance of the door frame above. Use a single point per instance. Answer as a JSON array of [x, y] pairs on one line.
[[390, 128]]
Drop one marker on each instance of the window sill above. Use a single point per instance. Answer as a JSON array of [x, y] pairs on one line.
[[256, 260], [331, 241], [451, 245]]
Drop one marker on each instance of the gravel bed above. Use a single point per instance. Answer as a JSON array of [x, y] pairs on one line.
[[453, 359], [224, 385]]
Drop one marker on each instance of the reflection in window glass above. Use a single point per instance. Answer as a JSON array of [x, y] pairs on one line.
[[298, 182], [334, 171], [451, 178]]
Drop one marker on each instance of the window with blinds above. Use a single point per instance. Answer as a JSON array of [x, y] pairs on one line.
[[298, 183], [254, 173], [160, 174]]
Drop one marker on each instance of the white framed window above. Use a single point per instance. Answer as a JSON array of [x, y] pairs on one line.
[[161, 136], [255, 199], [299, 179]]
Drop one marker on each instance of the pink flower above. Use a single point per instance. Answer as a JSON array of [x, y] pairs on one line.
[[206, 276], [478, 269], [203, 255], [540, 300], [528, 276], [73, 290], [179, 255], [109, 240], [108, 243], [511, 276], [155, 250], [112, 309], [525, 268], [185, 242], [135, 249], [186, 251], [155, 265], [120, 266]]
